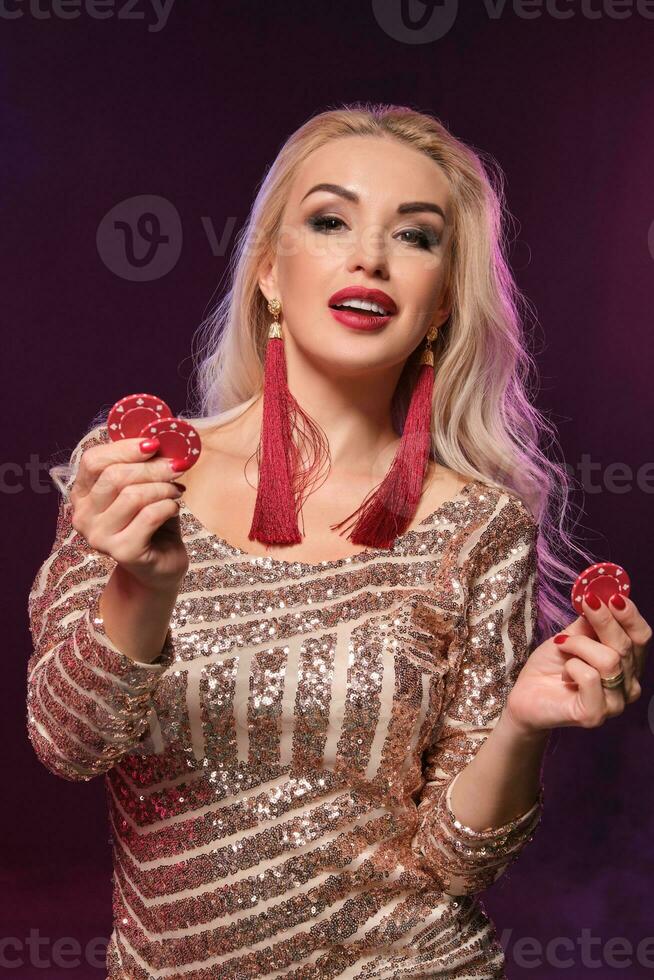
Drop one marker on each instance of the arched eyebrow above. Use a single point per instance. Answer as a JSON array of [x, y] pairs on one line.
[[409, 207]]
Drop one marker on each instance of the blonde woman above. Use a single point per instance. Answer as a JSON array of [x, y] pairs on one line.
[[318, 748]]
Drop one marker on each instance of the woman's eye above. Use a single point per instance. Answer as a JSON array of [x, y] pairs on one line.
[[426, 237], [320, 221]]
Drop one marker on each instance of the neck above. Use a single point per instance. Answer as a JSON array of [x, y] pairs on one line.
[[351, 405]]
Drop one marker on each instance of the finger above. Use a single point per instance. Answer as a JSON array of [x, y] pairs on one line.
[[605, 660], [609, 631], [628, 666], [96, 459], [635, 626], [594, 702], [612, 633], [580, 627], [129, 502], [115, 477], [133, 542]]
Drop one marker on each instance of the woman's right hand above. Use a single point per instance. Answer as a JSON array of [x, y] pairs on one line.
[[126, 506]]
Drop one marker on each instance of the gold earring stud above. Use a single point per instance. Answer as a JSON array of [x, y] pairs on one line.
[[427, 354], [275, 307]]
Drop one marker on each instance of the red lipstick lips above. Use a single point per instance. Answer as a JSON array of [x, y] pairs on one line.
[[362, 319]]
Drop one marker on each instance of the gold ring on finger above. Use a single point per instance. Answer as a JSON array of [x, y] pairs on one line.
[[615, 681]]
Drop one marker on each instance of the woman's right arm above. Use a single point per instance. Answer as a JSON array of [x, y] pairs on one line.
[[88, 696]]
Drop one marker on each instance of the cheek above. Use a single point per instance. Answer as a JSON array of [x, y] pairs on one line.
[[305, 283], [420, 284], [299, 273], [428, 293], [417, 317]]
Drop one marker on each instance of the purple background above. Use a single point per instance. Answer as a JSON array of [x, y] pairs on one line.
[[98, 111]]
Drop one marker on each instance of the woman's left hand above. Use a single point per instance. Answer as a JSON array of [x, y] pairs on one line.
[[560, 685]]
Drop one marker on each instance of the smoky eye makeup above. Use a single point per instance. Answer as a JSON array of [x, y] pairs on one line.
[[428, 234], [420, 235]]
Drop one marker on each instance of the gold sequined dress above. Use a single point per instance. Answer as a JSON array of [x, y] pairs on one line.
[[278, 781]]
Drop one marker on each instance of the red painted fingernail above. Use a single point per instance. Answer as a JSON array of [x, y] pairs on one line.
[[148, 445], [180, 464], [561, 638], [593, 600], [617, 600]]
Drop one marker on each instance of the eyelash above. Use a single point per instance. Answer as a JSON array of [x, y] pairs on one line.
[[428, 235]]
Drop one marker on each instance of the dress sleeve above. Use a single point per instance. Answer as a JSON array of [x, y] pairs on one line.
[[495, 640], [87, 702]]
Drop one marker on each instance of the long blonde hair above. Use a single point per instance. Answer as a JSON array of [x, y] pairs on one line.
[[484, 425]]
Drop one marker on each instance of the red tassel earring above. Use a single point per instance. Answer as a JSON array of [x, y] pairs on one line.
[[392, 506], [283, 481]]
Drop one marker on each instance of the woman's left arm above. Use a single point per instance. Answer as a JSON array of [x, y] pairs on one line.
[[476, 820], [482, 798]]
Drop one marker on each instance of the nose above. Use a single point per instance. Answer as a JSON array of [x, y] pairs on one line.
[[368, 253]]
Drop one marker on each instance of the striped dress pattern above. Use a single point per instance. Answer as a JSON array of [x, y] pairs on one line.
[[279, 780]]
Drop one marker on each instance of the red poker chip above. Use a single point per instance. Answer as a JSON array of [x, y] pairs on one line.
[[604, 579], [130, 414], [177, 437]]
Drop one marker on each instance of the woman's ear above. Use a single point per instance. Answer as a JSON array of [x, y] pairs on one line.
[[268, 279], [444, 308]]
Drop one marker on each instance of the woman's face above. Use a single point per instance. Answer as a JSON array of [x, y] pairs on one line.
[[330, 240]]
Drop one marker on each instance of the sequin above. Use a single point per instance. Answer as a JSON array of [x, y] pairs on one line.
[[279, 780]]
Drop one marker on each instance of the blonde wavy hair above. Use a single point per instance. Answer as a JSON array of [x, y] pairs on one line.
[[484, 424]]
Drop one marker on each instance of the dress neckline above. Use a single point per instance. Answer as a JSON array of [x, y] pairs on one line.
[[286, 563]]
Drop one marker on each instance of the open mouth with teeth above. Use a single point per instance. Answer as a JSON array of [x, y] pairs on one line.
[[361, 306]]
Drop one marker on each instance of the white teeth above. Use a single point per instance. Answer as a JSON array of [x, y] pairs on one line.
[[362, 304]]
